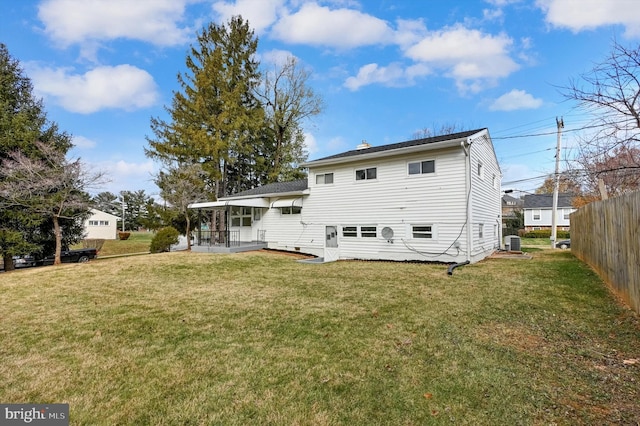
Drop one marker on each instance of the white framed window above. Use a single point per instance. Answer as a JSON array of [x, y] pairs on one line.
[[422, 231], [290, 210], [98, 223], [367, 174], [536, 214], [421, 167], [240, 216], [481, 230], [324, 178], [368, 232], [480, 170], [257, 214], [350, 231], [494, 182], [566, 213]]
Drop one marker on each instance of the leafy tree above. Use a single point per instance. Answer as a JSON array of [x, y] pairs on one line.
[[50, 185], [215, 118], [107, 202], [610, 91], [135, 212], [23, 121], [568, 183], [181, 186], [288, 101]]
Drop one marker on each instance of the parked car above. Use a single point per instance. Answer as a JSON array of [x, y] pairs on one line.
[[25, 261], [563, 244], [73, 256]]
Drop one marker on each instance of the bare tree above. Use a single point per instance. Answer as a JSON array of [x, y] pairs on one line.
[[434, 130], [288, 101], [181, 186], [49, 185], [610, 92]]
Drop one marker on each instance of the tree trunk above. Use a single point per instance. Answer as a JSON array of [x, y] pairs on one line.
[[8, 262], [188, 231], [58, 233]]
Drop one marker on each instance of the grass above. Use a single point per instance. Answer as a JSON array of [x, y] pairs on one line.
[[138, 242], [256, 338]]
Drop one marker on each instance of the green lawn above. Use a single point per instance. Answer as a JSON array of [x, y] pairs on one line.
[[256, 338]]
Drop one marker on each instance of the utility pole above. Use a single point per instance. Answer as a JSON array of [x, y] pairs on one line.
[[556, 186]]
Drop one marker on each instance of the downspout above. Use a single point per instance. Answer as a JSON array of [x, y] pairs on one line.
[[466, 147]]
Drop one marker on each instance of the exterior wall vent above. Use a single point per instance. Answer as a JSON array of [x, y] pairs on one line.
[[364, 145]]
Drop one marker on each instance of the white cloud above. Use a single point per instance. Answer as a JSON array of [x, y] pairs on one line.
[[260, 13], [85, 21], [514, 100], [310, 143], [83, 143], [580, 15], [127, 176], [120, 87], [339, 28], [474, 59], [393, 75], [276, 56]]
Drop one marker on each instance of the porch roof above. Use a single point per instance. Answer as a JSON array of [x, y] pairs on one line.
[[246, 202]]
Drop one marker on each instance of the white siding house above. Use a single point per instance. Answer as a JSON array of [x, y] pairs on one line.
[[433, 199], [101, 225], [537, 211]]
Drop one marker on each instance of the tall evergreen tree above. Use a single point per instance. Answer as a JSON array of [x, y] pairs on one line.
[[22, 122], [215, 118]]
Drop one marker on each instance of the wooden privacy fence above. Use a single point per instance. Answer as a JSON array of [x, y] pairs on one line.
[[606, 236]]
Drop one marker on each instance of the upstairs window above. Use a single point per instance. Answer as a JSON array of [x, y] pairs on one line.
[[481, 170], [324, 179], [536, 215], [422, 167], [367, 174]]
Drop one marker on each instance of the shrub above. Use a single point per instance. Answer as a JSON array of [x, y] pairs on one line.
[[545, 233], [163, 239], [123, 235], [95, 243]]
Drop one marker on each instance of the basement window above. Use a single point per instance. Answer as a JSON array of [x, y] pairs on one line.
[[349, 231], [422, 231], [368, 231]]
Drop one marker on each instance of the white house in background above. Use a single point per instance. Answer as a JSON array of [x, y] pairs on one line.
[[537, 211], [433, 199], [101, 225]]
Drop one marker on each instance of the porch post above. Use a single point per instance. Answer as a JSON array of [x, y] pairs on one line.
[[226, 226], [199, 233]]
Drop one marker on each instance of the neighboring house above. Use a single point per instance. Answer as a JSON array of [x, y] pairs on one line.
[[433, 199], [510, 206], [537, 211], [101, 225]]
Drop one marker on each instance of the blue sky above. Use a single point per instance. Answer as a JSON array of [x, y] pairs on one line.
[[385, 69]]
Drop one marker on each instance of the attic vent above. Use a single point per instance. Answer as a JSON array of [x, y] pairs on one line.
[[364, 145]]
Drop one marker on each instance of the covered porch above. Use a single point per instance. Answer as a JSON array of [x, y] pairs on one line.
[[238, 235]]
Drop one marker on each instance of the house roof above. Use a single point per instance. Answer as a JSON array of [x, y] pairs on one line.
[[540, 201], [401, 146], [508, 200], [272, 189]]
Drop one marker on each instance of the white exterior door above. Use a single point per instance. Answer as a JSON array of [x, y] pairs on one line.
[[331, 250]]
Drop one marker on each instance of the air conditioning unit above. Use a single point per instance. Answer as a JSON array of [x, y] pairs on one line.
[[512, 243]]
